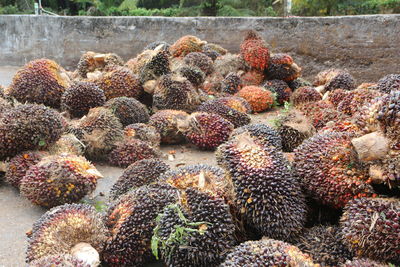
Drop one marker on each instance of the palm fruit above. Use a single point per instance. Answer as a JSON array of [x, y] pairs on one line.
[[40, 81], [186, 45], [120, 82], [91, 61], [160, 44], [128, 110], [175, 92], [206, 130], [201, 61], [266, 253], [263, 133], [212, 84], [237, 103], [196, 230], [330, 171], [320, 113], [267, 194], [131, 150], [254, 51], [282, 67], [237, 118], [68, 143], [231, 83], [144, 132], [214, 51], [355, 99], [298, 83], [370, 228], [156, 66], [336, 96], [293, 128], [131, 220], [388, 116], [19, 165], [99, 131], [59, 179], [364, 263], [82, 96], [305, 95], [60, 260], [229, 63], [259, 98], [137, 63], [28, 127], [194, 75], [324, 245], [332, 79], [4, 105], [165, 121], [252, 77], [142, 172], [64, 230], [389, 83], [280, 88]]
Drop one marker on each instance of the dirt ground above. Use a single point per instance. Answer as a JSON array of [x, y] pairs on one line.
[[18, 214]]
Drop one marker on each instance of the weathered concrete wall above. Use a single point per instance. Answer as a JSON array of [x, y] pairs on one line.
[[368, 46]]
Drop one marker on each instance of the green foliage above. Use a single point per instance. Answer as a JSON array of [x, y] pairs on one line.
[[9, 9]]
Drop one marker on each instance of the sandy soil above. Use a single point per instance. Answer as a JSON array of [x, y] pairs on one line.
[[18, 214]]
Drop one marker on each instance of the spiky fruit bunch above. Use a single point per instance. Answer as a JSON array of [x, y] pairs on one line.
[[305, 95], [324, 244], [206, 178], [320, 113], [206, 130], [329, 169], [19, 165], [59, 179], [200, 60], [254, 51], [175, 92], [252, 77], [280, 88], [231, 83], [128, 110], [237, 118], [371, 228], [282, 67], [259, 98], [144, 132], [60, 229], [91, 61], [229, 63], [4, 105], [364, 263], [100, 130], [388, 116], [156, 66], [185, 45], [40, 81], [194, 75], [28, 127], [336, 96], [298, 83], [142, 172], [267, 252], [82, 96], [120, 82], [389, 83], [68, 143], [263, 133], [131, 221], [165, 121], [238, 103], [197, 230], [60, 260], [355, 99], [267, 194], [332, 79], [131, 150]]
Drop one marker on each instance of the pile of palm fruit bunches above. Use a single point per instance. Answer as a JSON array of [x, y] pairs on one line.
[[319, 187]]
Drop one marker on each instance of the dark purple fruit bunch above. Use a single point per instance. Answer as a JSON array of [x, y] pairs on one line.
[[231, 83], [280, 88], [263, 133], [305, 95], [128, 110], [332, 79], [298, 83], [166, 123], [200, 60], [282, 67], [389, 83]]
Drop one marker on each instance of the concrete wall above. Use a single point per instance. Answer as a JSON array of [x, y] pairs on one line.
[[368, 46]]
